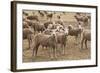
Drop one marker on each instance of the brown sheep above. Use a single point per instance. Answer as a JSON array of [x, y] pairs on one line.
[[36, 26], [45, 41], [46, 24], [86, 36], [27, 34], [61, 39], [74, 31], [83, 19], [25, 25], [31, 17]]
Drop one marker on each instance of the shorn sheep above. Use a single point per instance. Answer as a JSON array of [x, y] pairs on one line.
[[86, 36], [48, 41]]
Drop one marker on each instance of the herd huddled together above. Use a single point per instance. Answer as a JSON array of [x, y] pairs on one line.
[[50, 34]]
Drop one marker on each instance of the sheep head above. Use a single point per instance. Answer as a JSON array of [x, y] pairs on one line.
[[70, 27]]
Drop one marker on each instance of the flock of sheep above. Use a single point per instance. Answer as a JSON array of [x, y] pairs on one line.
[[50, 34]]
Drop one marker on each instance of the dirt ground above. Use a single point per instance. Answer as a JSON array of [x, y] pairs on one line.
[[72, 49]]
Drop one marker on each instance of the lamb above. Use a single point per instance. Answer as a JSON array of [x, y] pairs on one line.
[[27, 34], [45, 41], [86, 36]]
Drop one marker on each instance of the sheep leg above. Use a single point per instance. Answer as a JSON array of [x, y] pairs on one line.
[[86, 44], [82, 43], [54, 52], [36, 51], [48, 51], [76, 37], [30, 41], [51, 51], [63, 49], [58, 49]]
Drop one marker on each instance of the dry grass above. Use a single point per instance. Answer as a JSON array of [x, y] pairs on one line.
[[72, 50]]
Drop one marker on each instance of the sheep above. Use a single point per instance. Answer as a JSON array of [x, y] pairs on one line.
[[41, 13], [25, 13], [55, 25], [25, 25], [86, 36], [59, 21], [74, 31], [45, 41], [49, 16], [83, 19], [27, 34], [61, 37], [47, 31], [31, 17], [36, 26], [46, 24]]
